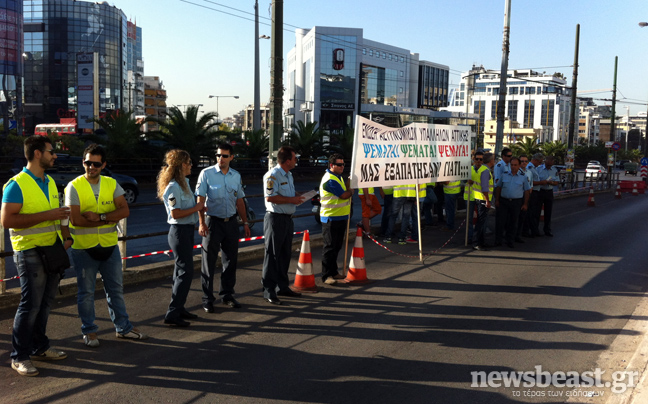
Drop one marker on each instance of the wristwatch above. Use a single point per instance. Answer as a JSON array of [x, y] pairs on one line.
[[102, 217], [245, 224], [69, 239]]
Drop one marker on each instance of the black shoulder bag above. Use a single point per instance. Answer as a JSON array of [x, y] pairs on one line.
[[55, 258]]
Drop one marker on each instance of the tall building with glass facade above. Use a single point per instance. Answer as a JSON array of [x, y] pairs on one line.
[[55, 32], [333, 74], [11, 33]]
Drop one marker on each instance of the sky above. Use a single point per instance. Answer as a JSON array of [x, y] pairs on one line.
[[206, 47]]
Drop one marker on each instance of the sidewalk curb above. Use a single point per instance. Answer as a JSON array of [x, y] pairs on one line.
[[155, 271]]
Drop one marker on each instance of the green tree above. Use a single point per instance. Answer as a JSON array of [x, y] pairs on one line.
[[306, 139], [556, 148], [188, 132], [256, 143], [528, 146], [123, 134]]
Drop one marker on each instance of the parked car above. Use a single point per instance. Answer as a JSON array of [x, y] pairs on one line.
[[66, 168], [631, 168], [595, 170], [621, 164]]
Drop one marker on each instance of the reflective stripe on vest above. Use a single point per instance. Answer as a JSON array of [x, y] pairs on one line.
[[408, 191], [476, 189], [331, 205], [452, 187], [361, 192], [35, 201], [88, 237]]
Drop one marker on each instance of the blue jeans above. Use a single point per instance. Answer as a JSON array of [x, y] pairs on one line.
[[408, 204], [450, 202], [37, 291], [111, 273], [428, 205]]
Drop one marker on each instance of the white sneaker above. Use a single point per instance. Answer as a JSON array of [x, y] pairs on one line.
[[50, 355], [24, 368], [330, 281], [133, 334], [91, 340]]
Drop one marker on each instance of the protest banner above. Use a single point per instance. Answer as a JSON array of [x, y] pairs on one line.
[[415, 154]]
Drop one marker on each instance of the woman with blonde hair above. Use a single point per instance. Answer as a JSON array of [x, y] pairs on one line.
[[182, 214]]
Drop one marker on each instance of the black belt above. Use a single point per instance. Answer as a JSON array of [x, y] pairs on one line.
[[281, 214], [547, 190], [511, 199], [220, 219]]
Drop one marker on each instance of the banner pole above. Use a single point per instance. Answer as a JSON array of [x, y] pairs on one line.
[[468, 213], [418, 210]]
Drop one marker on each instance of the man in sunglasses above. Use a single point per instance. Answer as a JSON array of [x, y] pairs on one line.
[[30, 209], [469, 195], [335, 197], [503, 166], [221, 189], [97, 203]]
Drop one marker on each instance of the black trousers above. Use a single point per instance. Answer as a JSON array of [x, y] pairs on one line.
[[278, 232], [506, 218], [546, 199], [333, 237], [479, 236], [534, 212], [223, 237], [181, 238]]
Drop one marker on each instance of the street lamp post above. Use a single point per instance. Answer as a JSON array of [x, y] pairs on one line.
[[645, 145], [221, 96]]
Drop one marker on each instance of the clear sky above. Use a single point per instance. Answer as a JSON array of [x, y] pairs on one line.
[[203, 47]]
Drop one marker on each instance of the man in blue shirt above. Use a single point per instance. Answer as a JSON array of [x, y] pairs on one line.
[[548, 176], [281, 202], [503, 166], [511, 197], [523, 220], [534, 200], [335, 198], [219, 187]]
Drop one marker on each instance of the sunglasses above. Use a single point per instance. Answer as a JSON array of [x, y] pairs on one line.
[[97, 164], [338, 164], [509, 155], [524, 161], [480, 159], [223, 156]]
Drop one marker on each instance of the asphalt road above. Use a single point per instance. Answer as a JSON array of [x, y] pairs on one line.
[[413, 335]]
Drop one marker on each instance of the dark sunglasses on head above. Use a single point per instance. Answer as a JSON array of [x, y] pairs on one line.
[[93, 163], [338, 164], [222, 155]]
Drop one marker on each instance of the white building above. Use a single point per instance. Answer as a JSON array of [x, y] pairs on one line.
[[534, 100], [333, 74]]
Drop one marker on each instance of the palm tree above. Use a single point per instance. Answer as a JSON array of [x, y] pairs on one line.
[[528, 146], [556, 148], [306, 139], [256, 143], [342, 143], [188, 132], [123, 134]]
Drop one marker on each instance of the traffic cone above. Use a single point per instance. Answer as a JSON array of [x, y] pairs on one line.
[[590, 200], [304, 278], [542, 213], [357, 272], [635, 191], [617, 194]]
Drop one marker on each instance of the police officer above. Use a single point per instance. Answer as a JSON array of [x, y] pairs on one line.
[[511, 197], [534, 201], [548, 178], [97, 203], [523, 220], [30, 209], [182, 216], [336, 206], [280, 201], [504, 165], [220, 188]]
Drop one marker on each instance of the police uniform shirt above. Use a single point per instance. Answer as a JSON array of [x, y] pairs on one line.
[[500, 168], [513, 186], [279, 182], [177, 198], [549, 174], [533, 170], [528, 173], [221, 190]]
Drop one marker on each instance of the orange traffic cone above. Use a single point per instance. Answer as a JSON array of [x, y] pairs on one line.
[[635, 191], [304, 278], [357, 272], [617, 194], [590, 200], [542, 213]]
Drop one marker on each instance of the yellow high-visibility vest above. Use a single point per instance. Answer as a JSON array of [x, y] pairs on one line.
[[35, 201], [408, 191], [331, 205], [476, 187], [106, 235], [361, 192], [452, 187]]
